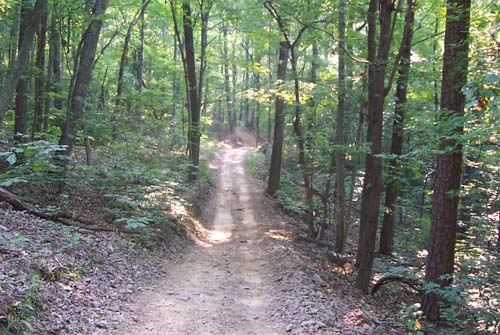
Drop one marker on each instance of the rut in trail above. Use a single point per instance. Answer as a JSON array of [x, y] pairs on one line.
[[224, 285]]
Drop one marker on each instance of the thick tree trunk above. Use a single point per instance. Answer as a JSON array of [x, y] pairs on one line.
[[393, 188], [340, 238], [194, 103], [83, 76], [441, 256], [21, 100], [279, 123], [372, 184], [16, 72]]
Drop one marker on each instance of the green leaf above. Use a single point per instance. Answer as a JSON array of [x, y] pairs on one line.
[[10, 181], [492, 78], [12, 159]]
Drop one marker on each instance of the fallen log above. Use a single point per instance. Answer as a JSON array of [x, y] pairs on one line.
[[413, 283], [61, 217]]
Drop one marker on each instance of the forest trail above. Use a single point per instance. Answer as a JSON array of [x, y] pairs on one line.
[[222, 285]]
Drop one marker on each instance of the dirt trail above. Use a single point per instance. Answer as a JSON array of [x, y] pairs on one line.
[[223, 285]]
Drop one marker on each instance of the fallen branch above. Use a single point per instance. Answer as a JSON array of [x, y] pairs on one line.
[[315, 241], [61, 217], [413, 283]]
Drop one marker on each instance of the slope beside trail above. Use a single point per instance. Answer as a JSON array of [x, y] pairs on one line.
[[222, 285]]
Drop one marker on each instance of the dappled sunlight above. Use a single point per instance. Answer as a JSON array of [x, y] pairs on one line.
[[280, 234]]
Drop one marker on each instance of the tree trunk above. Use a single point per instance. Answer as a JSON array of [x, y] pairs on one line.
[[356, 157], [56, 68], [21, 100], [229, 102], [279, 123], [194, 103], [205, 7], [49, 84], [18, 70], [301, 143], [393, 188], [83, 76], [340, 239], [124, 57], [441, 256], [270, 80], [40, 89], [175, 95], [140, 52], [14, 35], [246, 112], [372, 184]]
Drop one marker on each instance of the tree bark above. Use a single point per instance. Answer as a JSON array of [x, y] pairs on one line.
[[279, 123], [372, 184], [393, 184], [194, 103], [441, 256], [82, 76], [340, 238]]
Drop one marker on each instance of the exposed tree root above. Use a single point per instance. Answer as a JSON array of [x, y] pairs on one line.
[[61, 217]]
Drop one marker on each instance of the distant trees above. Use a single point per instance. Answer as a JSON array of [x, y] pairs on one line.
[[29, 26]]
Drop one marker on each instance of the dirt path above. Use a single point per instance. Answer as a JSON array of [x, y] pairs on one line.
[[222, 286]]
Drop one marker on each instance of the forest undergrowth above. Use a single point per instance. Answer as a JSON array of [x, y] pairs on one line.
[[70, 278]]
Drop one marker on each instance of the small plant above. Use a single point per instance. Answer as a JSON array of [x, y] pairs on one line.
[[20, 314], [411, 317], [135, 222], [31, 162]]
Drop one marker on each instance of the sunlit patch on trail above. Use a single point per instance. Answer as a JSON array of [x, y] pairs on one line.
[[219, 236]]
